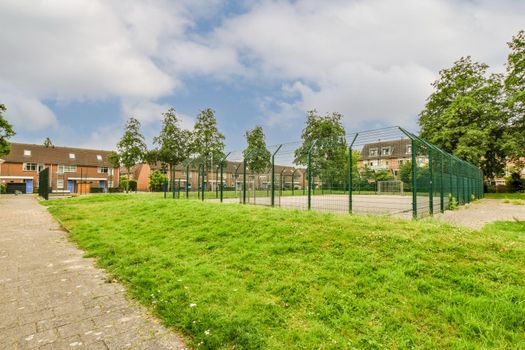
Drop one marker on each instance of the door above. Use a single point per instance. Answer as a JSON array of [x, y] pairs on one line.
[[101, 184], [83, 188], [70, 186], [29, 186]]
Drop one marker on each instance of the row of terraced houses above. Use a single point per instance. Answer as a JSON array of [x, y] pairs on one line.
[[78, 170]]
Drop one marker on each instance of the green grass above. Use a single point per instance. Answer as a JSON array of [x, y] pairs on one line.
[[264, 278], [505, 195]]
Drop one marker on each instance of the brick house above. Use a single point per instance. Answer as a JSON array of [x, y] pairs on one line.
[[232, 176], [388, 155], [72, 170]]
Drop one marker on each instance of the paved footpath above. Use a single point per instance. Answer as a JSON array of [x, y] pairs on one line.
[[53, 298]]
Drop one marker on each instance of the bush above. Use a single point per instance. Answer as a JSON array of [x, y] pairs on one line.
[[157, 180], [3, 188], [96, 190], [515, 183], [124, 181], [114, 189]]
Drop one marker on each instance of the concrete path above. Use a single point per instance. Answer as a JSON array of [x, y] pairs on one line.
[[479, 213], [53, 298]]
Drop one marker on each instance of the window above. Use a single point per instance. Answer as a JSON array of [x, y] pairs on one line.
[[409, 149], [400, 162], [110, 184], [71, 155], [60, 183], [99, 157], [103, 170], [30, 166], [27, 152], [67, 169], [373, 152], [386, 151]]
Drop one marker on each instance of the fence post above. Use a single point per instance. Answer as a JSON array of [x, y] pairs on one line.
[[199, 182], [273, 175], [310, 175], [414, 179], [173, 182], [350, 166], [187, 180], [431, 183], [165, 187], [203, 179], [222, 174], [442, 186], [244, 181]]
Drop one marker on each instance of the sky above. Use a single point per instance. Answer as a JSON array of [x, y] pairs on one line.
[[75, 70]]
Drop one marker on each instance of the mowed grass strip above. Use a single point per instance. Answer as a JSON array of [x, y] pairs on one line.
[[231, 276]]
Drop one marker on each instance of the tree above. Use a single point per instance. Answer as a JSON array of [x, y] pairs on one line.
[[172, 142], [465, 115], [207, 141], [131, 147], [48, 143], [327, 135], [515, 93], [6, 132], [256, 154], [157, 180]]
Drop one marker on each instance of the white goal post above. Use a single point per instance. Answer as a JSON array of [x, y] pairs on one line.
[[392, 187]]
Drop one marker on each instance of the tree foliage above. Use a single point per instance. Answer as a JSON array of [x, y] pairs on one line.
[[173, 143], [6, 132], [131, 148], [515, 93], [325, 136], [207, 141], [465, 115], [256, 153], [48, 143]]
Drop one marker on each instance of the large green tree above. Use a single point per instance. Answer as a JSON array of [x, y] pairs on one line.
[[172, 142], [256, 153], [325, 136], [131, 148], [207, 141], [465, 115], [515, 93], [6, 132]]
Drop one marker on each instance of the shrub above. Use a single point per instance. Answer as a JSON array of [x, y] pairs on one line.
[[3, 188], [157, 180]]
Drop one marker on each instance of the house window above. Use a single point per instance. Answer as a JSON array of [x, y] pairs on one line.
[[30, 166], [409, 149], [373, 152], [400, 162], [110, 184], [386, 151], [67, 169], [103, 170], [27, 152], [60, 183], [71, 155], [99, 157]]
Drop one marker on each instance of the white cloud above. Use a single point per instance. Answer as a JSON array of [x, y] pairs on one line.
[[149, 112], [371, 60], [28, 113]]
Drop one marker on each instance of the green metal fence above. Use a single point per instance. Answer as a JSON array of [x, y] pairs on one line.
[[387, 171]]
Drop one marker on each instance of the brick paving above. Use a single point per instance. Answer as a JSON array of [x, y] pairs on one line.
[[51, 297]]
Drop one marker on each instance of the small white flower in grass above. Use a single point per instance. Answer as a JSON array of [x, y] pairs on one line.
[[193, 305], [207, 332]]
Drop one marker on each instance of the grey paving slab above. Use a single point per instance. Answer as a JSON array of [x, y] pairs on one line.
[[51, 297]]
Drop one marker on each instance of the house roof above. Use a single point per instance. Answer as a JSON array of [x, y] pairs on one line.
[[398, 149], [57, 155]]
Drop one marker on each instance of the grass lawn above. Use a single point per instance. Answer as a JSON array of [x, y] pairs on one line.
[[505, 195], [247, 277]]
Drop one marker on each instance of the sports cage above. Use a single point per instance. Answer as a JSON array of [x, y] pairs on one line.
[[387, 171]]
